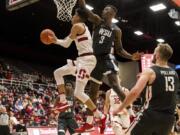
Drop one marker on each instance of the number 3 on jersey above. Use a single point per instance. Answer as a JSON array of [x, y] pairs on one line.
[[169, 82], [101, 41]]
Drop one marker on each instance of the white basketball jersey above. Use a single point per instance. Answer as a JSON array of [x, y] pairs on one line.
[[84, 42], [115, 101]]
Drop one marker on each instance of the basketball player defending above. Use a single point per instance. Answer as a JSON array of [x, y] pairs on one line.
[[85, 62], [121, 121], [105, 37], [162, 83]]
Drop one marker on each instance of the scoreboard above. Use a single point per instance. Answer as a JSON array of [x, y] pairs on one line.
[[16, 4]]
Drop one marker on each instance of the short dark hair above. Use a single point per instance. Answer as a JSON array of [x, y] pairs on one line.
[[69, 82], [113, 8], [82, 13]]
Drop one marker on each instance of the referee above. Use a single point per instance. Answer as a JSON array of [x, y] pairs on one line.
[[4, 121]]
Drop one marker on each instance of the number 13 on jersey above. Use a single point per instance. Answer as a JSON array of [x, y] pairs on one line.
[[169, 83]]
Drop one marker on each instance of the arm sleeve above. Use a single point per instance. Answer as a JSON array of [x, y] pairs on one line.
[[64, 42]]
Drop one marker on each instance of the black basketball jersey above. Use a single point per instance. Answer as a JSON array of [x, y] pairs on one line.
[[103, 39], [69, 113], [163, 90]]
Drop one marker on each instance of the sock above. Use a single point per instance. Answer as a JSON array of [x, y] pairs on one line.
[[62, 98], [89, 119]]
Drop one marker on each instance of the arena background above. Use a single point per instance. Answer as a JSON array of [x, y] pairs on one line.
[[20, 29]]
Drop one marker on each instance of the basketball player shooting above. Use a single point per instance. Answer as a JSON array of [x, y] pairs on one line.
[[85, 62]]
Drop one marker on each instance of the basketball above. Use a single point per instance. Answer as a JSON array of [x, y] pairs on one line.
[[44, 36]]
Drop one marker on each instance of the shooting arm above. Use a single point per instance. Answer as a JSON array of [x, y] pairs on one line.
[[68, 40], [64, 42]]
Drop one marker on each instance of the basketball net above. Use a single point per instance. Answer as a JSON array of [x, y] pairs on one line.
[[64, 9]]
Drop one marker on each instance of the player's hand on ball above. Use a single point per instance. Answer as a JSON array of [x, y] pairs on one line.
[[52, 38], [48, 37]]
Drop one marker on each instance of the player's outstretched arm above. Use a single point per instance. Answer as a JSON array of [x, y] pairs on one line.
[[119, 47], [94, 18], [66, 42], [136, 90]]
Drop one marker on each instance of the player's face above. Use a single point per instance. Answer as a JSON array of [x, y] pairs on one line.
[[108, 13], [69, 87]]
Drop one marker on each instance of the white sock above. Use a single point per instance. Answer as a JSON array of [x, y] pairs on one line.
[[89, 119], [63, 98]]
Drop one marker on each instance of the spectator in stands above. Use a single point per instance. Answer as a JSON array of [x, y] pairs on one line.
[[32, 122], [4, 121], [1, 72], [18, 105], [13, 120]]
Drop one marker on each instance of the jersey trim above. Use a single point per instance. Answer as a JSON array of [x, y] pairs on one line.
[[82, 39]]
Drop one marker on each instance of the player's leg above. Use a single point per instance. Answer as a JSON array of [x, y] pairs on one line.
[[114, 83], [62, 126], [95, 83], [79, 93], [113, 78], [85, 65], [59, 74], [93, 93], [71, 125], [88, 126]]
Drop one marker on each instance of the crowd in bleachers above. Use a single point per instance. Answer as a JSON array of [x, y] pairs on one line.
[[27, 98], [29, 107]]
